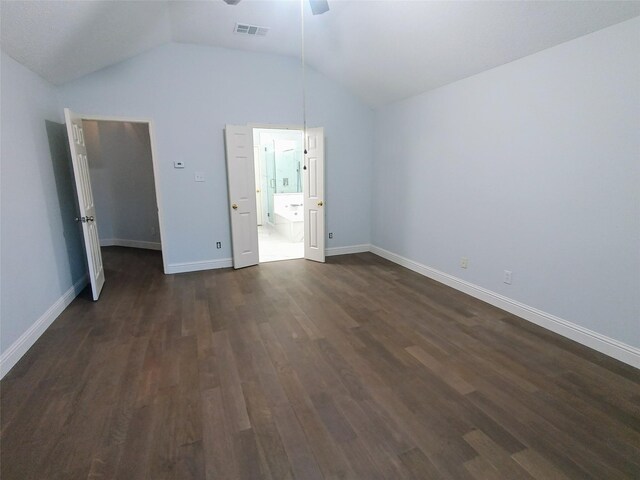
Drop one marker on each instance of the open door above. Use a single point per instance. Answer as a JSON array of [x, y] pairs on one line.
[[314, 195], [85, 201], [242, 195]]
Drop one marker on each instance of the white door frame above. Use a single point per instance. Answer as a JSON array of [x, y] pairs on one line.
[[154, 161], [268, 126], [258, 182]]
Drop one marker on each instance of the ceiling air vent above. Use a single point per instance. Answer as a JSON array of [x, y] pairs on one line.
[[247, 29]]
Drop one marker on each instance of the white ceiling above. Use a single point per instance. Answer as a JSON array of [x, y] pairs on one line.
[[381, 50]]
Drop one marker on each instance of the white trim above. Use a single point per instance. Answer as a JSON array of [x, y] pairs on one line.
[[18, 348], [267, 126], [108, 118], [121, 242], [365, 247], [197, 266], [603, 344], [157, 185]]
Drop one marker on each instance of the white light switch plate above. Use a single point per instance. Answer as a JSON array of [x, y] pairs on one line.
[[178, 164], [199, 177]]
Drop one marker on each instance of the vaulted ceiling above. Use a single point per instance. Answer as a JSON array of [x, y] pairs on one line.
[[381, 50]]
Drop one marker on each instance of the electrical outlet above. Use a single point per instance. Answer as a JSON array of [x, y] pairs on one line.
[[330, 234], [198, 177], [464, 262], [218, 244], [507, 277]]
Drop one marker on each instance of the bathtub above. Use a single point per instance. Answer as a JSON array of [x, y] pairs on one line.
[[289, 216]]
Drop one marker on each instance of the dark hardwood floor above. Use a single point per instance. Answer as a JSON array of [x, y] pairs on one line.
[[356, 368]]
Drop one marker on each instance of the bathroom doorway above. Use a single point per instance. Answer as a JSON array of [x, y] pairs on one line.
[[279, 193], [279, 160]]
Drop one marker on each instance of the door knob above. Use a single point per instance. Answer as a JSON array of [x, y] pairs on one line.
[[234, 206], [90, 219], [77, 219], [320, 203]]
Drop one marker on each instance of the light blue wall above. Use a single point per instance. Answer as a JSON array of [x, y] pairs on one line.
[[532, 167], [191, 92], [41, 254]]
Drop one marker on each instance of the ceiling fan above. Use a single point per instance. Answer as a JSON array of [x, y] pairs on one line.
[[317, 6]]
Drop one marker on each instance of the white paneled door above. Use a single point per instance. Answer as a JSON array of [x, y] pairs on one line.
[[314, 195], [87, 215], [242, 195]]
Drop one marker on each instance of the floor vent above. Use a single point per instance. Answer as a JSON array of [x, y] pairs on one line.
[[247, 29]]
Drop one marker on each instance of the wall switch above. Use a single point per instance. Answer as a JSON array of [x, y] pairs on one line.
[[199, 177], [330, 234], [464, 262], [507, 277], [218, 244], [178, 164]]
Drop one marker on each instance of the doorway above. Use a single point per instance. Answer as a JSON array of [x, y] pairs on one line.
[[250, 191], [278, 158], [116, 187], [122, 180]]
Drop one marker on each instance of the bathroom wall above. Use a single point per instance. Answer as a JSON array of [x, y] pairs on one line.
[[288, 162]]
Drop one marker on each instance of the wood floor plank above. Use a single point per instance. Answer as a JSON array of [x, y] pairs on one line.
[[217, 437], [481, 469], [267, 435], [495, 455], [230, 382], [449, 377], [537, 466], [419, 465], [356, 368], [296, 444]]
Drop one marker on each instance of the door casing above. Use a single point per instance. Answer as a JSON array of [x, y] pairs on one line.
[[154, 162]]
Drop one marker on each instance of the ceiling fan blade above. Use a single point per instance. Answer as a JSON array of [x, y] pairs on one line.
[[318, 6]]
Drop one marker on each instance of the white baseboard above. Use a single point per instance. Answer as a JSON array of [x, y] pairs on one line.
[[120, 242], [603, 344], [228, 262], [365, 247], [197, 266], [15, 352]]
